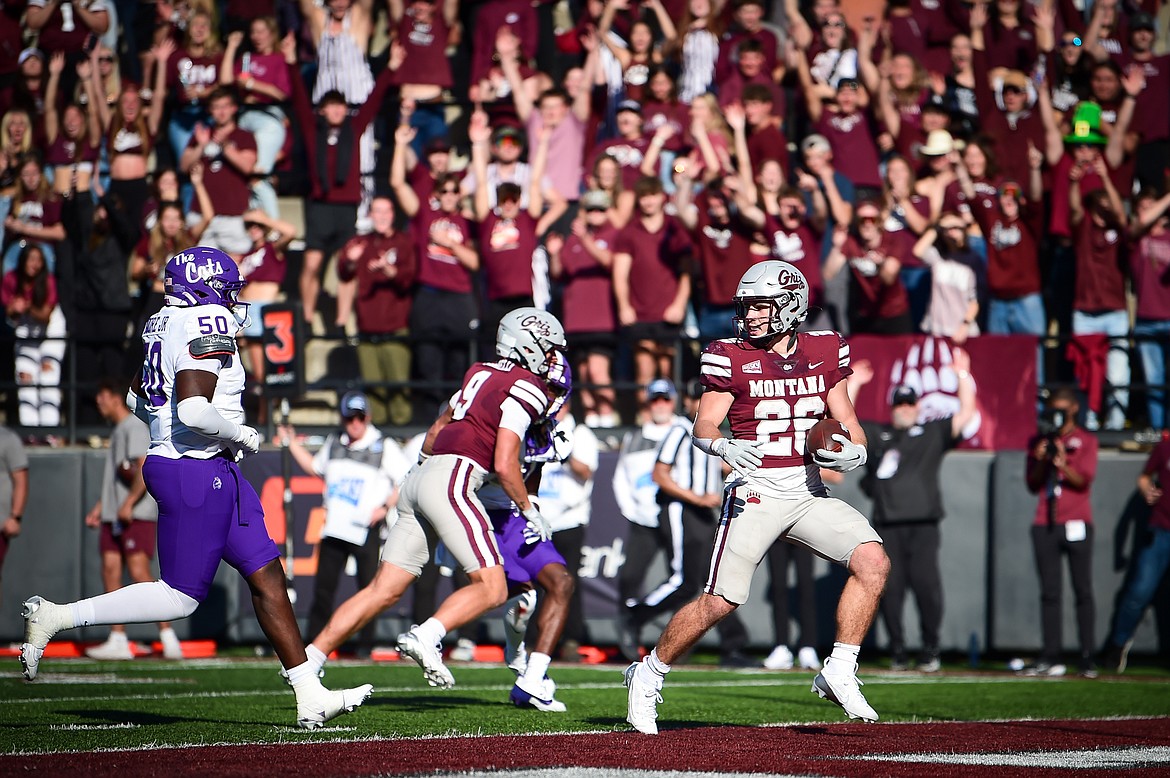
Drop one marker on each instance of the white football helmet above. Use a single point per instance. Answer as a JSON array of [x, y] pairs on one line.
[[777, 283], [527, 335]]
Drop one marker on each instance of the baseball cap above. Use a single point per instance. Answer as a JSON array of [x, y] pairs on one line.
[[508, 132], [629, 105], [1142, 21], [596, 199], [437, 146], [848, 83], [904, 395], [354, 404], [815, 142], [31, 51], [660, 387]]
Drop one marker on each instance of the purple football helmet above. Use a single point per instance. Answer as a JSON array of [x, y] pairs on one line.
[[560, 381], [539, 443], [203, 275]]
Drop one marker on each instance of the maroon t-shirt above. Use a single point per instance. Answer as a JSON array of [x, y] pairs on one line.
[[725, 254], [249, 9], [1158, 466], [731, 90], [1073, 504], [899, 237], [801, 248], [1013, 263], [755, 376], [11, 32], [1149, 264], [768, 143], [519, 15], [872, 298], [910, 135], [64, 151], [268, 69], [656, 267], [655, 115], [725, 65], [438, 268], [1152, 117], [1011, 133], [1100, 284], [426, 45], [628, 154], [227, 187], [853, 146], [506, 246], [65, 34], [185, 70], [479, 407], [588, 295], [36, 212], [382, 304], [262, 264], [636, 77]]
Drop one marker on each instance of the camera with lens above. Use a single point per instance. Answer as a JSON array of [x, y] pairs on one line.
[[1050, 421]]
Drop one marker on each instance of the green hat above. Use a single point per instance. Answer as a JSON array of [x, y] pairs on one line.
[[1086, 125]]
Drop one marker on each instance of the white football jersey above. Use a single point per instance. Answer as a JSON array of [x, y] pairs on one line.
[[201, 337]]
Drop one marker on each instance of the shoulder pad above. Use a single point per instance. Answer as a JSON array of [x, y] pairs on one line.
[[207, 346]]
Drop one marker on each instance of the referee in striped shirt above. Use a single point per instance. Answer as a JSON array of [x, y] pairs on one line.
[[690, 492]]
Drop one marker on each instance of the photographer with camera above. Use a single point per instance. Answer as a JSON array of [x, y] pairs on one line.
[[1061, 465]]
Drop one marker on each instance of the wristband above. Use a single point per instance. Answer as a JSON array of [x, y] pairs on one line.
[[17, 517]]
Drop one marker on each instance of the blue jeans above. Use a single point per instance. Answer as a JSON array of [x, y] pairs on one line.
[[1022, 316], [430, 123], [917, 283], [267, 126], [1148, 568], [1153, 334], [1116, 325]]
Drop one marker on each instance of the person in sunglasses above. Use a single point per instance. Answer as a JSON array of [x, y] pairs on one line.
[[879, 304]]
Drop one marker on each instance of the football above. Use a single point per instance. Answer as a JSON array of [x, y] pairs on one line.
[[821, 436]]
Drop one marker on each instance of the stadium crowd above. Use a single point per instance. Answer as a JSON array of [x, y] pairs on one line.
[[950, 168]]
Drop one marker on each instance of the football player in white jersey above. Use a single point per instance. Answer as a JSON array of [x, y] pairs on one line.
[[188, 391], [773, 384]]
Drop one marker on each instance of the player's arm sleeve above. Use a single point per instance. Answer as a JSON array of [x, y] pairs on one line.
[[525, 403], [199, 414], [715, 368], [843, 368]]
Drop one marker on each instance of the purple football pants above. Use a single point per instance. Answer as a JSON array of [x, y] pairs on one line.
[[522, 562], [207, 511]]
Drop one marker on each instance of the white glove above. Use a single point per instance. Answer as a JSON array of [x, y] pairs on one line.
[[248, 439], [850, 457], [742, 455], [538, 527]]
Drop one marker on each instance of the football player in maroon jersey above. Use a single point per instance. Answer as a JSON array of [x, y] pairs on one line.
[[773, 384], [480, 433]]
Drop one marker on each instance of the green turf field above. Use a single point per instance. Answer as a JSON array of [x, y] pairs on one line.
[[83, 705]]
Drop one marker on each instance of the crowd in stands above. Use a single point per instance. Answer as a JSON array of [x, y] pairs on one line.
[[944, 167]]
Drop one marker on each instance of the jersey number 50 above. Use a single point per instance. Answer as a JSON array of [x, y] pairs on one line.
[[783, 426]]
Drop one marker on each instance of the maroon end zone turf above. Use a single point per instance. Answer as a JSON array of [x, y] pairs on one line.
[[1142, 746]]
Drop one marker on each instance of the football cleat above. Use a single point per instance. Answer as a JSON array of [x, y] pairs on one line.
[[429, 658], [844, 689], [808, 659], [540, 695], [642, 701], [116, 647], [780, 659], [519, 610], [172, 648], [321, 705], [42, 620]]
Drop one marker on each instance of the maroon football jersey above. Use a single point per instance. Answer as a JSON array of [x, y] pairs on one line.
[[479, 406], [777, 399]]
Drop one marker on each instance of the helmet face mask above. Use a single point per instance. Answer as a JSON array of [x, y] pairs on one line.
[[205, 276], [560, 381], [531, 338], [777, 285]]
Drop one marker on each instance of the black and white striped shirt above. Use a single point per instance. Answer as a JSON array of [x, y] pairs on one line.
[[690, 468]]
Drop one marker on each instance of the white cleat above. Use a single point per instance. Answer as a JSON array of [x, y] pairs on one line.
[[540, 695], [780, 659], [844, 689], [42, 620], [116, 647], [642, 701], [428, 658], [322, 705], [172, 648], [807, 658]]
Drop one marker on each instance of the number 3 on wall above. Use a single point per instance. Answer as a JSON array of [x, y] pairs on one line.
[[783, 427]]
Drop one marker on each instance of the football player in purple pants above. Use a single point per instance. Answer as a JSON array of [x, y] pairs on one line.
[[188, 391], [773, 383]]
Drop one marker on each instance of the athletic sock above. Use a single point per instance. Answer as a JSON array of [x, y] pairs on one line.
[[431, 632], [134, 604], [303, 677], [315, 656], [656, 665], [537, 666], [846, 653]]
